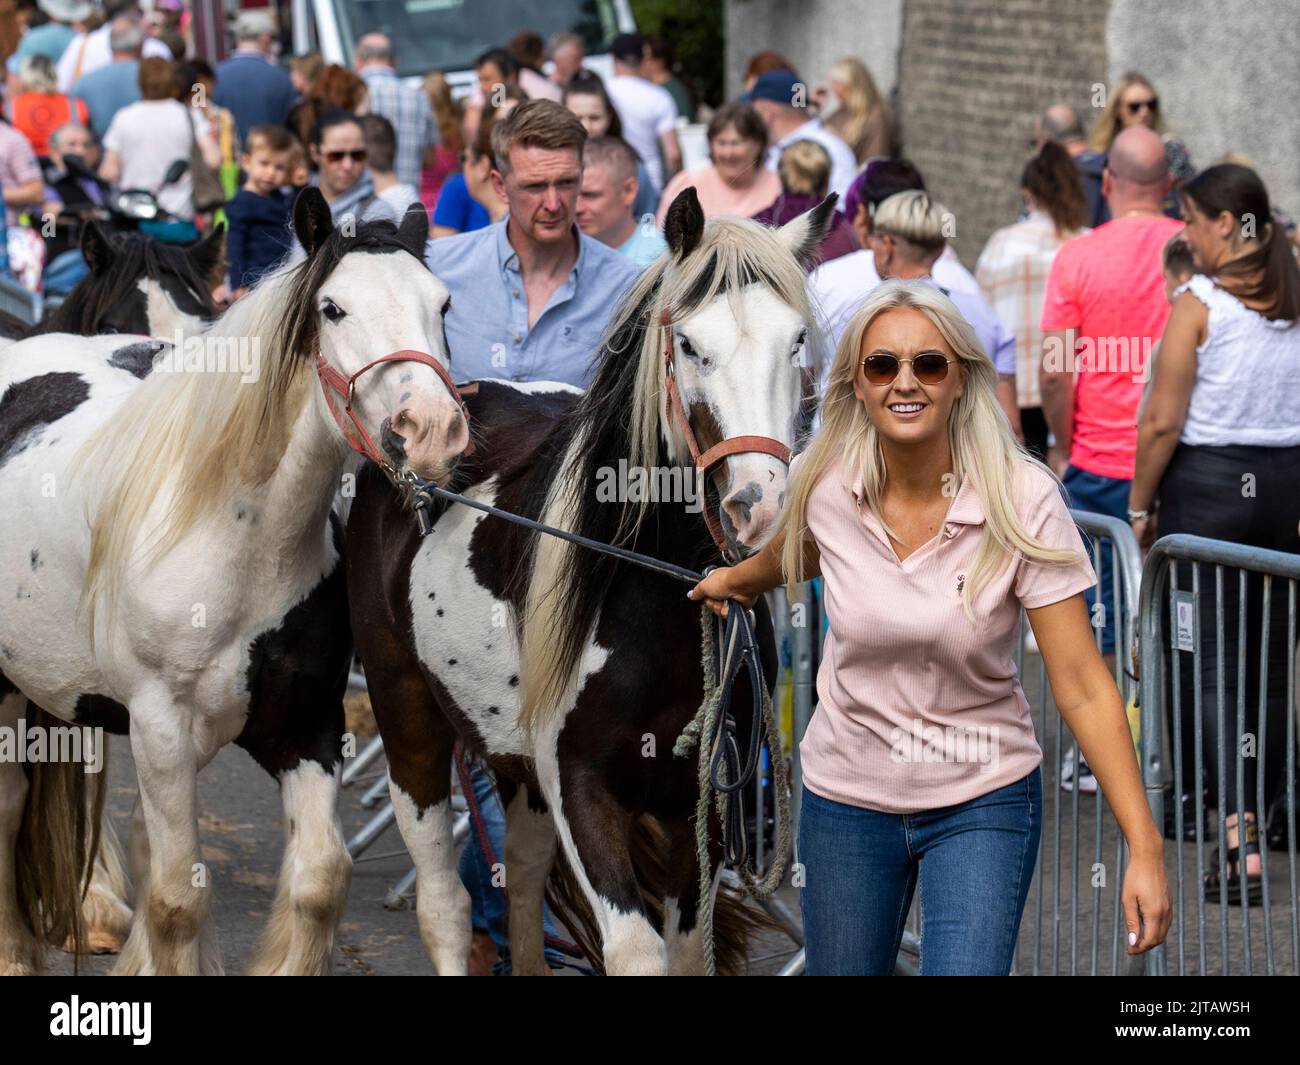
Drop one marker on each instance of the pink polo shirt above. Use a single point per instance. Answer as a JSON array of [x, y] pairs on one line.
[[918, 709]]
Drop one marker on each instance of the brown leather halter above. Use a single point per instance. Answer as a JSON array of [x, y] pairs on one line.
[[705, 461], [336, 386]]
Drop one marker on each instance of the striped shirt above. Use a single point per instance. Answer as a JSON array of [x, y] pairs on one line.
[[1012, 273]]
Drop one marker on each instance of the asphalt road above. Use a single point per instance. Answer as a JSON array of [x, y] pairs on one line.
[[1068, 926]]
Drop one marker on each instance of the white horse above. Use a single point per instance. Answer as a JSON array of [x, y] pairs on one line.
[[170, 563]]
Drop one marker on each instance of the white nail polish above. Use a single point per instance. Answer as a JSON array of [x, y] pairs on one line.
[[1132, 939]]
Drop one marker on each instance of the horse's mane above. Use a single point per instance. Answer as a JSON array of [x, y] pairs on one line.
[[135, 256], [199, 434], [620, 417]]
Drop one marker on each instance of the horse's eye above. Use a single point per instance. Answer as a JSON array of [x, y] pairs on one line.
[[687, 350], [332, 311]]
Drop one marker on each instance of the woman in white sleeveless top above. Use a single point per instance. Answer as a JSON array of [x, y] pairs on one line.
[[1219, 453]]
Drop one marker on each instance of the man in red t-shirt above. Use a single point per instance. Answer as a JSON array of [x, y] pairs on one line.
[[1103, 311]]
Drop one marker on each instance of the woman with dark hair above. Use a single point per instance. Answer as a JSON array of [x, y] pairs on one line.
[[1013, 268], [528, 50], [761, 63], [1219, 451], [735, 182], [335, 89], [586, 97]]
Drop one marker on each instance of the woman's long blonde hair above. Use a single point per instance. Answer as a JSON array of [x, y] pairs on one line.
[[1110, 122], [863, 107], [984, 451]]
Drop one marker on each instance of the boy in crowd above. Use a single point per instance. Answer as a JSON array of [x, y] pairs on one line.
[[259, 214]]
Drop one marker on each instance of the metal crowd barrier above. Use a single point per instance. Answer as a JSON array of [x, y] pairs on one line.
[[1073, 920], [16, 300], [1186, 633]]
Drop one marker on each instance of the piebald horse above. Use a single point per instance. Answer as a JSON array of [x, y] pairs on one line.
[[574, 673], [140, 286], [136, 285], [183, 579]]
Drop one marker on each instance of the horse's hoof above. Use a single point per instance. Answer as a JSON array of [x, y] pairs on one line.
[[98, 941]]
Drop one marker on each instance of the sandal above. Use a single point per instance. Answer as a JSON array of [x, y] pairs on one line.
[[1254, 884]]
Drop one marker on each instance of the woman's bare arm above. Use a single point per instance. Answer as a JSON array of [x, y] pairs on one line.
[[1091, 706], [747, 580]]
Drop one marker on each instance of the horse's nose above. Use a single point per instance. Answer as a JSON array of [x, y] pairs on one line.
[[435, 433], [745, 518]]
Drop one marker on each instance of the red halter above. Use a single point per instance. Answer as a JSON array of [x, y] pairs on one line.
[[705, 461], [336, 386]]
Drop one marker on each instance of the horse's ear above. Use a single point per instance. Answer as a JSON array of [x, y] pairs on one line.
[[684, 223], [96, 248], [804, 235], [208, 254], [311, 220], [414, 230]]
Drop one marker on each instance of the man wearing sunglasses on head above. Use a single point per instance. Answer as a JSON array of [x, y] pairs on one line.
[[338, 148], [908, 234]]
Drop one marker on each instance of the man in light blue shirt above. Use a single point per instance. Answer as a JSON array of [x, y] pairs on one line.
[[54, 36], [609, 191], [531, 295]]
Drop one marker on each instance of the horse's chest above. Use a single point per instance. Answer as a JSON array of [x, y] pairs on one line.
[[465, 636]]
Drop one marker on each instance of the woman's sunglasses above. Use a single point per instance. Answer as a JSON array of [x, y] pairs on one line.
[[1135, 106], [357, 155], [929, 368]]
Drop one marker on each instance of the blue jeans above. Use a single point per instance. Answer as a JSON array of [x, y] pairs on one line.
[[487, 904], [1100, 495], [974, 862]]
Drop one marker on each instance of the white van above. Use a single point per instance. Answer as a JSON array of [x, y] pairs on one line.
[[448, 35]]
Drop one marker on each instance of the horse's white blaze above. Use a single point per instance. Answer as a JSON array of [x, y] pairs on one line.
[[409, 396], [442, 905], [751, 384], [165, 318], [463, 633]]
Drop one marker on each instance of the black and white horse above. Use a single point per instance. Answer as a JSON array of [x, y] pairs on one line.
[[572, 672], [136, 285], [171, 566]]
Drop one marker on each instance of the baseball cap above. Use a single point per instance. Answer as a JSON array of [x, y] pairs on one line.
[[778, 86]]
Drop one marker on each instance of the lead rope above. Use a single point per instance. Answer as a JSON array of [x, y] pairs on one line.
[[721, 770], [718, 766]]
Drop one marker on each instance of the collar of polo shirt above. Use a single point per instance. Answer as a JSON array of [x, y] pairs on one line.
[[965, 509]]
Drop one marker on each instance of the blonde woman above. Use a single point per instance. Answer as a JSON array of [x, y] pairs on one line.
[[1135, 102], [862, 119], [932, 530]]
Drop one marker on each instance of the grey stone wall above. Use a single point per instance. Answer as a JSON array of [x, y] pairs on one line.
[[1228, 76], [971, 74], [812, 34]]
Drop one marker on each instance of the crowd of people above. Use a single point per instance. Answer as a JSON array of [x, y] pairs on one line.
[[1138, 315]]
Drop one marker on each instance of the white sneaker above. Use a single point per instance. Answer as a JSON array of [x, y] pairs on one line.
[[1087, 782]]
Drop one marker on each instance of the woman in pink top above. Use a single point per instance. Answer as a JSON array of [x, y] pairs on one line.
[[735, 182], [932, 529]]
